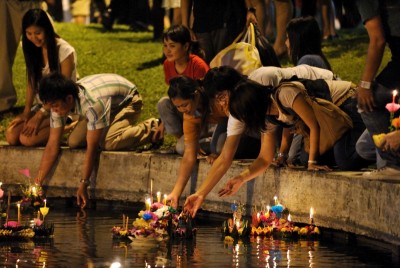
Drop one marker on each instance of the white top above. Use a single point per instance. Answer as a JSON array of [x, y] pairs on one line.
[[272, 76], [64, 50]]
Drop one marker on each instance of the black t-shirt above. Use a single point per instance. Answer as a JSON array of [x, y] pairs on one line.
[[211, 15]]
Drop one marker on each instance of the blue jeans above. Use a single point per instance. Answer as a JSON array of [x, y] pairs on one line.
[[378, 121], [366, 149], [346, 156]]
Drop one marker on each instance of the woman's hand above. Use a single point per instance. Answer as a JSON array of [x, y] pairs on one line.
[[231, 187], [173, 200], [31, 126], [24, 117], [192, 204], [315, 167], [280, 161], [82, 195]]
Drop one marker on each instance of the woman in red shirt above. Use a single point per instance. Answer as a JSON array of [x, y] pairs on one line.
[[183, 57]]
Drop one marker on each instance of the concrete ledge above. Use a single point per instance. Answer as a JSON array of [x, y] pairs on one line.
[[341, 200]]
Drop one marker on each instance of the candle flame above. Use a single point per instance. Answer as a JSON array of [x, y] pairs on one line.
[[311, 213], [289, 218], [395, 93]]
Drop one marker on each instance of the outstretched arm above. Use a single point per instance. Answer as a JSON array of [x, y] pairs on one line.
[[50, 154], [260, 164], [93, 141], [306, 113], [185, 169], [217, 171]]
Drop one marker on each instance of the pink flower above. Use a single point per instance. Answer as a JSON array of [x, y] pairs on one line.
[[392, 107], [263, 217], [12, 224], [25, 172], [38, 222]]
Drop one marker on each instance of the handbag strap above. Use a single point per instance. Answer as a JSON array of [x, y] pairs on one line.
[[248, 35]]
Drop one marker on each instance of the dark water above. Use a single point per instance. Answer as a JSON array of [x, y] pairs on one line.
[[83, 239]]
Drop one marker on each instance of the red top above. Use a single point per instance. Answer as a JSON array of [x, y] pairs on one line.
[[195, 69]]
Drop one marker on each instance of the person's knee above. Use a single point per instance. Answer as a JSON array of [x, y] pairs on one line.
[[76, 144], [28, 141], [109, 146], [163, 105], [12, 138]]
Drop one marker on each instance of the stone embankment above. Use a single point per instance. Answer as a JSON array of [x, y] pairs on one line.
[[341, 200]]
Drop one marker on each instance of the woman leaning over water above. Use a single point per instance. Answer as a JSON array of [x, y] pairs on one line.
[[252, 103]]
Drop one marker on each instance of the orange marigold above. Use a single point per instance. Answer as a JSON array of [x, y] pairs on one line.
[[396, 122]]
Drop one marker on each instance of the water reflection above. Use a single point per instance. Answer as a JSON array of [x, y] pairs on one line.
[[83, 239]]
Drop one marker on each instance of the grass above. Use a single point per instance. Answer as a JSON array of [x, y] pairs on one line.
[[136, 57]]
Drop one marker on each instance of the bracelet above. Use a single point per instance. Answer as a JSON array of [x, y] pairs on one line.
[[85, 181], [312, 161], [44, 111], [365, 84], [251, 9]]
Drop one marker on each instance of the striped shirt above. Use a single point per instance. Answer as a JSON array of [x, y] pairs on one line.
[[100, 95]]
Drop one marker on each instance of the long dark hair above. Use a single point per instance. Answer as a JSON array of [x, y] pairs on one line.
[[249, 102], [185, 88], [305, 39], [33, 55], [181, 34], [221, 78]]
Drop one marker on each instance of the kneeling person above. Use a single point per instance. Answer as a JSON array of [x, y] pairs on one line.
[[109, 107]]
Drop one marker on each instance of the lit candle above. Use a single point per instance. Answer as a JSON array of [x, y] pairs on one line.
[[151, 190], [258, 216], [289, 219], [34, 191], [148, 203], [268, 208], [19, 213], [237, 224], [45, 202], [311, 215], [276, 200], [1, 191], [165, 199], [127, 221], [394, 95], [158, 197]]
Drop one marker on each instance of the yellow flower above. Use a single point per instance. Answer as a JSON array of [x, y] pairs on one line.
[[378, 139]]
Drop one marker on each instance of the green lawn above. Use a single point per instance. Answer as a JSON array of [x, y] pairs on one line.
[[136, 57]]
